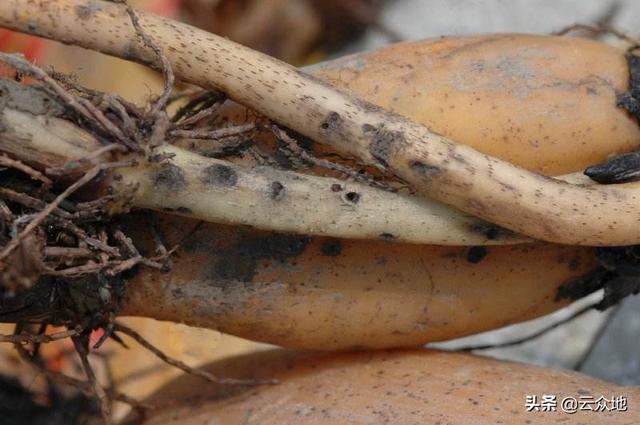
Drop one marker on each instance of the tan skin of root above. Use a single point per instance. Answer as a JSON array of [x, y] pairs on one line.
[[326, 294], [290, 202], [408, 387], [477, 96], [547, 105], [540, 207], [277, 288], [220, 191]]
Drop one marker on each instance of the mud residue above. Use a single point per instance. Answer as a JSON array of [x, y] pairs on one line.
[[242, 261], [29, 99]]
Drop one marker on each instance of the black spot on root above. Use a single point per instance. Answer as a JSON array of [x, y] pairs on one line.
[[170, 177], [353, 197], [491, 231], [387, 236], [129, 52], [277, 191], [381, 142], [241, 262], [332, 123], [336, 187], [219, 175], [476, 254], [423, 170], [332, 248]]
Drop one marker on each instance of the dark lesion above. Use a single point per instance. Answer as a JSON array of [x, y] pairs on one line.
[[490, 231], [219, 175], [476, 254], [277, 191], [382, 141], [332, 123], [425, 171], [243, 261], [170, 177]]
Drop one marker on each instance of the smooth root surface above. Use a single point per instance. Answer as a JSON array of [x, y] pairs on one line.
[[389, 387], [547, 104], [322, 293]]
